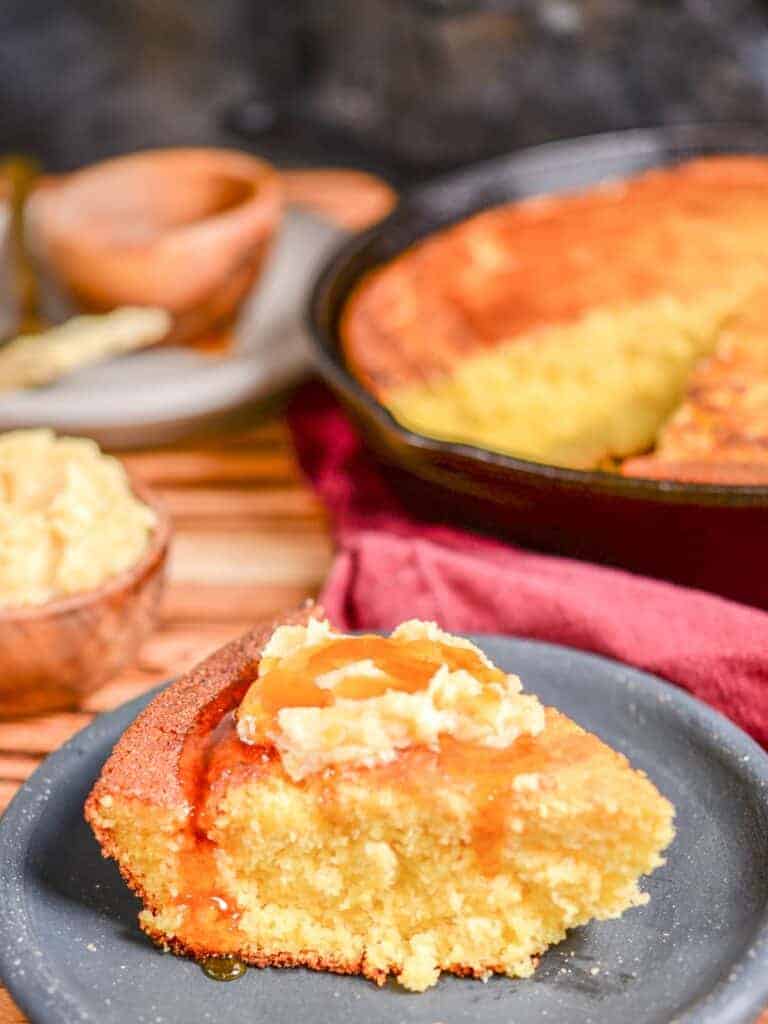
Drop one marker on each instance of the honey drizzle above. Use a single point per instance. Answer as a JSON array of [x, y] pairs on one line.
[[211, 914], [486, 773], [407, 666]]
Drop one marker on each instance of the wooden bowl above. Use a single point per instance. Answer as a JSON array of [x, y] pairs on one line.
[[184, 229], [52, 655]]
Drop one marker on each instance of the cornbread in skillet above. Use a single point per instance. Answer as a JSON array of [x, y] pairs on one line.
[[719, 433], [375, 806], [565, 329]]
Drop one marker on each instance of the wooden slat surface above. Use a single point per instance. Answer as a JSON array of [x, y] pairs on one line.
[[251, 539]]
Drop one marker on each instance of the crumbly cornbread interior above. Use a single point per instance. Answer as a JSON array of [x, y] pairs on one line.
[[445, 855], [575, 395], [719, 431], [571, 330]]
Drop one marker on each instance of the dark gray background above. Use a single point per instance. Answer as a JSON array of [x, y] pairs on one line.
[[405, 86]]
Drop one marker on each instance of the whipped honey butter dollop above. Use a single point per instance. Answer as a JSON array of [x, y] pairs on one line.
[[328, 700], [69, 520]]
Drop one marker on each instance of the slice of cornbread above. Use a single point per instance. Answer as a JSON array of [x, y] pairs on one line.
[[375, 806]]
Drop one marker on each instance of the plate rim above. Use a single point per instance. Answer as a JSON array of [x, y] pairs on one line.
[[730, 1001]]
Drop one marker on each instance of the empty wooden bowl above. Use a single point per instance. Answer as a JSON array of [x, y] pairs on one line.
[[53, 654], [184, 229]]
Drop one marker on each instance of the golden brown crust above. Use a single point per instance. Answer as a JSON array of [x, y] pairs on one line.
[[697, 471], [146, 762], [313, 960]]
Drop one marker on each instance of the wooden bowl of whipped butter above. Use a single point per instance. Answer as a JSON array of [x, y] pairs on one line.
[[82, 566]]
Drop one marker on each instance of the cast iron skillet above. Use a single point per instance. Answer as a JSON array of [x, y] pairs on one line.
[[709, 536]]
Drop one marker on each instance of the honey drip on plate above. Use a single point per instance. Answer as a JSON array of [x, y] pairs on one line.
[[223, 968]]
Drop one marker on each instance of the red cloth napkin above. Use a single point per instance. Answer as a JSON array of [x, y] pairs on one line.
[[390, 567]]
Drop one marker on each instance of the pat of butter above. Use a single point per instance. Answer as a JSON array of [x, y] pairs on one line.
[[370, 731]]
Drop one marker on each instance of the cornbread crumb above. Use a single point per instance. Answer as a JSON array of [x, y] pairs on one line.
[[719, 432]]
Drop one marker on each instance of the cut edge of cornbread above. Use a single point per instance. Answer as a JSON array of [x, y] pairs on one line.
[[719, 431], [576, 394], [581, 860]]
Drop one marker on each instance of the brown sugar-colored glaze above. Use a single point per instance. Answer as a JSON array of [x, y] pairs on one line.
[[408, 667], [175, 756], [491, 772], [52, 655], [201, 753]]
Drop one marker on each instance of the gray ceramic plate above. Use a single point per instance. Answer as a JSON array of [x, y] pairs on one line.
[[70, 950]]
